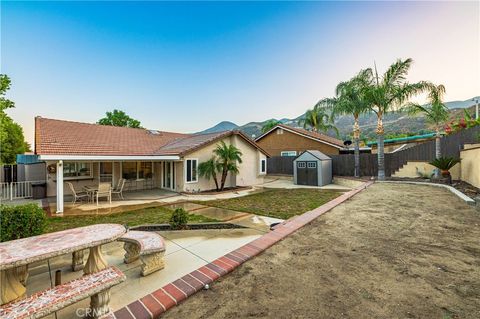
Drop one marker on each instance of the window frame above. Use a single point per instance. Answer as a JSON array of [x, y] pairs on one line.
[[263, 160], [77, 177], [304, 165], [282, 152], [191, 171], [314, 164]]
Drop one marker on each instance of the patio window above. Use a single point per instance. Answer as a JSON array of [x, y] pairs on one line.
[[145, 170], [75, 170], [137, 170], [263, 166], [191, 170]]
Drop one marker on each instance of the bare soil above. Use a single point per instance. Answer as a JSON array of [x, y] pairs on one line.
[[392, 251]]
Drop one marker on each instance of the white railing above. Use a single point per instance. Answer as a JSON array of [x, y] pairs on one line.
[[16, 190]]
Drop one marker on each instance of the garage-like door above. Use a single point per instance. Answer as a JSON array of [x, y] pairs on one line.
[[307, 173]]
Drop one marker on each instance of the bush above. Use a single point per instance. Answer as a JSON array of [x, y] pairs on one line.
[[179, 218], [21, 221]]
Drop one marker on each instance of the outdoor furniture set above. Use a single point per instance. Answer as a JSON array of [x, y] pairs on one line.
[[98, 278], [94, 192]]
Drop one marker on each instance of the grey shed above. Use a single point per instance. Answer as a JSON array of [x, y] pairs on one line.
[[312, 168]]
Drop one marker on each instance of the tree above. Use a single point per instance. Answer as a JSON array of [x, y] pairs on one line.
[[349, 100], [227, 157], [436, 113], [119, 118], [209, 170], [386, 93], [269, 125], [317, 119], [4, 87], [12, 140]]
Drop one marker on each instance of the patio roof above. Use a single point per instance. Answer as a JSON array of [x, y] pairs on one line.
[[67, 140]]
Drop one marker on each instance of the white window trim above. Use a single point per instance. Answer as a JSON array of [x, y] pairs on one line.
[[196, 172], [260, 168], [301, 165], [282, 152], [314, 164], [73, 178]]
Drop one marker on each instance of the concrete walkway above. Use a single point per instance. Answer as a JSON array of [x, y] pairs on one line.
[[185, 252]]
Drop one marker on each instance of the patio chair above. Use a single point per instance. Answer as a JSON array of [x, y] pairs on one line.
[[119, 189], [104, 190], [76, 195]]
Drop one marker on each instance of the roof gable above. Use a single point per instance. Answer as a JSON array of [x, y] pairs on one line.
[[322, 138]]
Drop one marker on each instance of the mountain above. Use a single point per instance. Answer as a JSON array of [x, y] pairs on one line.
[[462, 104], [395, 123], [222, 126]]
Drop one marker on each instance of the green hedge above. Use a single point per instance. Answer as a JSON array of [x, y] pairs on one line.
[[21, 221]]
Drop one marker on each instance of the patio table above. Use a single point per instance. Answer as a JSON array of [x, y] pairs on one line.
[[90, 191], [21, 252]]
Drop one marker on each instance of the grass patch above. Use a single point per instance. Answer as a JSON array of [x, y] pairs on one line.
[[149, 215], [279, 203]]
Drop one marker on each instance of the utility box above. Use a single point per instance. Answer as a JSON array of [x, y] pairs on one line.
[[39, 190], [312, 168]]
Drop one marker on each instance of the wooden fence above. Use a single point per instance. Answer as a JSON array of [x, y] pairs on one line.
[[343, 164]]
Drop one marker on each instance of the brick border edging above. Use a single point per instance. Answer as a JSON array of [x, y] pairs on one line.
[[159, 301]]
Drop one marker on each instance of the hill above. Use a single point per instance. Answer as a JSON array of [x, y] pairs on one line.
[[395, 123]]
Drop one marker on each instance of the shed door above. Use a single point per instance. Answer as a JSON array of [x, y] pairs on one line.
[[307, 173]]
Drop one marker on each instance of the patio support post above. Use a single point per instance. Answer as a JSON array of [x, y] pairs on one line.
[[60, 187]]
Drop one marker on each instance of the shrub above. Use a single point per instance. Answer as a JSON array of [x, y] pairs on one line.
[[444, 163], [21, 221], [179, 218]]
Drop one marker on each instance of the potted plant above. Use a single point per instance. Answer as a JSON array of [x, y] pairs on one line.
[[444, 164]]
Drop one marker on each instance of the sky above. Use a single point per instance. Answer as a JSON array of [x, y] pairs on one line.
[[185, 66]]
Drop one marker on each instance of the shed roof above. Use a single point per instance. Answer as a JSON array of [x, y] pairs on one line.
[[317, 154]]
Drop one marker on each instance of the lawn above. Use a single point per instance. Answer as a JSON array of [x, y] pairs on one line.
[[150, 215], [278, 203]]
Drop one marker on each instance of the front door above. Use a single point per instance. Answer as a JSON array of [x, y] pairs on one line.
[[106, 172]]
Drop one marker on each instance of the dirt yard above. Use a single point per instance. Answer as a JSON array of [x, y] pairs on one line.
[[392, 251]]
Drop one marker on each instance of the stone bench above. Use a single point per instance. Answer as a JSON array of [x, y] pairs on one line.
[[96, 285], [148, 246]]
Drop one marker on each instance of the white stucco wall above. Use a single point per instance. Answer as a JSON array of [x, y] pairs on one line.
[[249, 169]]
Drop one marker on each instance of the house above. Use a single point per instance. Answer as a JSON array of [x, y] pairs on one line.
[[283, 140], [84, 154]]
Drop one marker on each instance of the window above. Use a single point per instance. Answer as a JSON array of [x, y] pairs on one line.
[[279, 131], [73, 170], [312, 164], [137, 170], [301, 165], [145, 170], [191, 170], [263, 166], [129, 170], [288, 153]]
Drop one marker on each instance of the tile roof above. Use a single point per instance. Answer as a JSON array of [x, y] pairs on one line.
[[58, 137], [318, 136]]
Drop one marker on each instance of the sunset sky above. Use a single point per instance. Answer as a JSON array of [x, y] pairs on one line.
[[186, 66]]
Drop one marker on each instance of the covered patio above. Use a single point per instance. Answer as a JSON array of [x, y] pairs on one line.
[[132, 181]]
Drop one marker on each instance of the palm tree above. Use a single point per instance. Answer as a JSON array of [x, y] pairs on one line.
[[317, 119], [387, 93], [227, 158], [269, 125], [436, 113], [209, 170], [349, 100]]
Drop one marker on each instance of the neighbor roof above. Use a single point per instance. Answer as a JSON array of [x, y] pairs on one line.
[[58, 137], [309, 134]]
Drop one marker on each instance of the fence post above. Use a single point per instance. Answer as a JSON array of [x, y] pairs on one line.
[[11, 191]]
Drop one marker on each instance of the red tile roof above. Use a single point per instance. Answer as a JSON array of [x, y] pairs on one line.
[[317, 136], [58, 137]]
